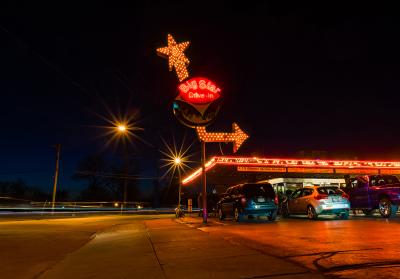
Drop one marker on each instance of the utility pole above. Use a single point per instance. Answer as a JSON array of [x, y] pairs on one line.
[[126, 171], [125, 189], [58, 149]]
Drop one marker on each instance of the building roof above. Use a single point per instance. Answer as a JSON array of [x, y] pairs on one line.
[[231, 170]]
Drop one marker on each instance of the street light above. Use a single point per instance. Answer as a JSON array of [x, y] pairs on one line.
[[176, 159], [121, 128], [177, 163], [121, 131]]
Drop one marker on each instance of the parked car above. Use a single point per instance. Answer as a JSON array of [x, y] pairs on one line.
[[317, 200], [248, 200], [371, 192]]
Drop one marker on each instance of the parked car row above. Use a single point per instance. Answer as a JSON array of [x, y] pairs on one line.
[[366, 193]]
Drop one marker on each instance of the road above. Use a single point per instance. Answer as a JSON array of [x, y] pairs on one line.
[[31, 245], [159, 246]]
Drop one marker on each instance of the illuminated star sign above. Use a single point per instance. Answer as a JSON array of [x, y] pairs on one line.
[[176, 57]]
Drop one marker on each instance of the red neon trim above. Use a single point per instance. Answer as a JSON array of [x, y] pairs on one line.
[[292, 163]]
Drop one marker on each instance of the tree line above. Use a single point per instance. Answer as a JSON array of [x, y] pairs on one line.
[[102, 180]]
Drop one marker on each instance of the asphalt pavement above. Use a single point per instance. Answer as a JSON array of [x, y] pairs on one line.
[[362, 247], [160, 246]]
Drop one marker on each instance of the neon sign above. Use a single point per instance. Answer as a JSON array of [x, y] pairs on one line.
[[176, 57], [199, 91], [298, 165], [237, 137]]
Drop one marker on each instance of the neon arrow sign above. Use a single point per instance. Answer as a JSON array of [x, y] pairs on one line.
[[237, 137]]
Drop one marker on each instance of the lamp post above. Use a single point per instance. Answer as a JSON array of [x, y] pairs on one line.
[[121, 130], [177, 163], [176, 159]]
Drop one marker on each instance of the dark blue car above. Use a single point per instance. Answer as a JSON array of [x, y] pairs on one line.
[[248, 200]]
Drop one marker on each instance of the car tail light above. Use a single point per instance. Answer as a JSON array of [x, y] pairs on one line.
[[243, 200], [276, 200], [320, 197], [345, 196]]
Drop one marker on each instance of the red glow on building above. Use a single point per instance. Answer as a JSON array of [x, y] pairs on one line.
[[199, 91]]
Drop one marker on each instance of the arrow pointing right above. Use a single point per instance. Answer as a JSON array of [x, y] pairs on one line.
[[237, 137]]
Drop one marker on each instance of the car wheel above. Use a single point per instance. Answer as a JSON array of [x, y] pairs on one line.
[[285, 211], [344, 216], [311, 214], [237, 216], [386, 208], [221, 215], [272, 216], [367, 212]]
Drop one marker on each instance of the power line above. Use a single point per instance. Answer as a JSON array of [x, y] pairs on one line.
[[23, 172], [119, 176]]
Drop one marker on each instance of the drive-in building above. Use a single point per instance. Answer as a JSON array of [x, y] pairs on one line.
[[283, 174]]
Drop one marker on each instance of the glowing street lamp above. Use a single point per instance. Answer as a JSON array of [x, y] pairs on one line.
[[176, 159], [121, 128], [121, 131], [177, 163]]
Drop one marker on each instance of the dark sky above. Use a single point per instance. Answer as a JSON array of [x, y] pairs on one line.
[[295, 78]]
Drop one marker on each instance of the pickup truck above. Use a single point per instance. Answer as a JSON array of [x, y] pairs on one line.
[[370, 192]]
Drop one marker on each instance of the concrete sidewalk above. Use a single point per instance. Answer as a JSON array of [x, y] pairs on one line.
[[170, 248]]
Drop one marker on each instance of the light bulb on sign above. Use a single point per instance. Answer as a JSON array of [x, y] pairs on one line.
[[176, 57]]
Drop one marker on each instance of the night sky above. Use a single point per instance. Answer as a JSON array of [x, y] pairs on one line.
[[294, 78]]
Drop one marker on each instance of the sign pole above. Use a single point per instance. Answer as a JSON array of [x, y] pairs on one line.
[[203, 180]]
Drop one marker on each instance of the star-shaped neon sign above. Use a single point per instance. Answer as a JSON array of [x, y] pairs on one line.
[[176, 57]]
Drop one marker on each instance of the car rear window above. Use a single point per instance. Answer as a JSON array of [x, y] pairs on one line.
[[253, 190], [329, 191]]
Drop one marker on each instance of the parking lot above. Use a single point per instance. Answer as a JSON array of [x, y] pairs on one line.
[[361, 247]]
